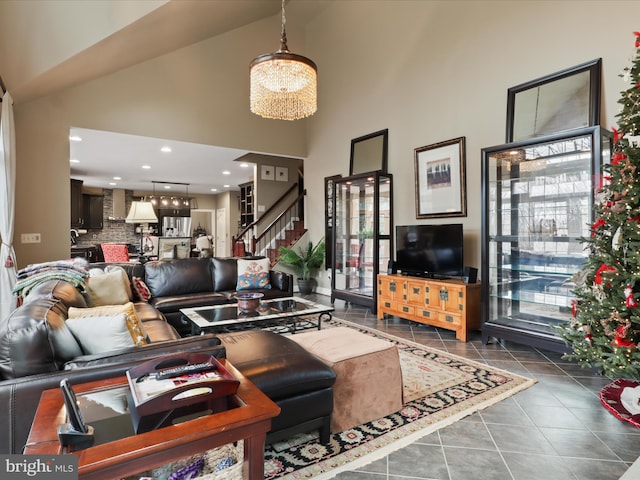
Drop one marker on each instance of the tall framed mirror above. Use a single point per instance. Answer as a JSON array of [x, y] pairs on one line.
[[555, 103], [369, 153]]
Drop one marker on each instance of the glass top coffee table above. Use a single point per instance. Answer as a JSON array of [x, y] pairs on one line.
[[281, 315]]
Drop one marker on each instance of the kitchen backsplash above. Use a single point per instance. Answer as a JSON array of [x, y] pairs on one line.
[[112, 231]]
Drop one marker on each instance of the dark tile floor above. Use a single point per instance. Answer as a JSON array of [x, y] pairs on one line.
[[555, 430]]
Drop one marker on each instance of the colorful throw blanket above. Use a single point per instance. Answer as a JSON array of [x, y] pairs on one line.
[[72, 271]]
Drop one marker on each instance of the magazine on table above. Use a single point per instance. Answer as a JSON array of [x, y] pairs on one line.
[[150, 387], [178, 380]]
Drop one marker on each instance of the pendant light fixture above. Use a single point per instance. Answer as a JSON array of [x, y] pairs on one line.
[[283, 85]]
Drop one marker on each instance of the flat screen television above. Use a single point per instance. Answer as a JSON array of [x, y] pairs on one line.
[[434, 251]]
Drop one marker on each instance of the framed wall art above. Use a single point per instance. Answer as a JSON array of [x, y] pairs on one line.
[[267, 172], [440, 179], [555, 103], [282, 174]]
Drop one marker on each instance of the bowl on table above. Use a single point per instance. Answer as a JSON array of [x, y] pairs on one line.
[[248, 302]]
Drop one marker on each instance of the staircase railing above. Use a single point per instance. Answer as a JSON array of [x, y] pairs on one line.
[[284, 230], [262, 238]]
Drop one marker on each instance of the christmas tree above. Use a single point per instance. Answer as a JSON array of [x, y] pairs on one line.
[[605, 331]]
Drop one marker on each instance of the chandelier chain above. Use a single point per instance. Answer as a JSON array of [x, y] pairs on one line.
[[284, 18]]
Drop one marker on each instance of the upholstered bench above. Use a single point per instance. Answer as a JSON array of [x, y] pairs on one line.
[[368, 376], [296, 380]]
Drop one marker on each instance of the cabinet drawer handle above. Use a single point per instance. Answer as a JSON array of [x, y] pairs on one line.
[[392, 286], [387, 304], [426, 313], [416, 290], [449, 318], [444, 294], [405, 309]]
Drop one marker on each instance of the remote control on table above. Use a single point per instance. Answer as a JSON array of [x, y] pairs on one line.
[[184, 370]]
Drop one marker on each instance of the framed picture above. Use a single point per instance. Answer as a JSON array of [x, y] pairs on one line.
[[369, 153], [552, 104], [282, 174], [267, 172], [440, 179]]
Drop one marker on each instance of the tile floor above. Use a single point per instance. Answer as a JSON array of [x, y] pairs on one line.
[[555, 430]]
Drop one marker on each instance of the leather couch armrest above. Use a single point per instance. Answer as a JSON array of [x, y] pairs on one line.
[[19, 397], [209, 342], [281, 281]]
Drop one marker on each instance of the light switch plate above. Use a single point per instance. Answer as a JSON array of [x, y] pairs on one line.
[[30, 238]]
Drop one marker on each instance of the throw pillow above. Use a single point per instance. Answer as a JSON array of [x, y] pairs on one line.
[[99, 334], [253, 274], [133, 323], [142, 291], [125, 278], [108, 289]]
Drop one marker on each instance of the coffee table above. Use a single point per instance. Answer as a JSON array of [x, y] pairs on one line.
[[281, 315], [118, 452]]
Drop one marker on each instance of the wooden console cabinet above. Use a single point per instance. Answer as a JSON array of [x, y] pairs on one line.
[[449, 304]]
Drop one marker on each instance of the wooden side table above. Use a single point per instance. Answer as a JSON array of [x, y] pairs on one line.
[[249, 420]]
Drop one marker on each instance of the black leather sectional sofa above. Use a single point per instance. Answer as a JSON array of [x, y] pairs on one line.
[[36, 351], [197, 282]]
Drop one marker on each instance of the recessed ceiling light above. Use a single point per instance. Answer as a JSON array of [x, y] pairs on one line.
[[166, 149], [214, 189], [146, 167], [112, 183], [244, 165], [74, 160], [75, 138], [226, 172], [117, 178], [167, 187], [226, 186]]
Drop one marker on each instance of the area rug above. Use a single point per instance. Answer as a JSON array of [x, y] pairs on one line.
[[439, 389]]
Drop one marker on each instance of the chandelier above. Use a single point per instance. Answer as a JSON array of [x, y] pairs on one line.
[[283, 85]]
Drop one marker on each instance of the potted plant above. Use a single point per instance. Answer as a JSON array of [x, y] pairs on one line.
[[305, 263]]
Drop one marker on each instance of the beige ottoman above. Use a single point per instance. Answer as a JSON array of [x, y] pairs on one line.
[[368, 376]]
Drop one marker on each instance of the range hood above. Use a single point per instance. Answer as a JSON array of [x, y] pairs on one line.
[[119, 210]]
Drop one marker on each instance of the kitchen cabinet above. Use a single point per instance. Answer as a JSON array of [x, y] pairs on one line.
[[537, 202], [77, 212], [93, 208], [91, 254], [173, 211], [362, 242]]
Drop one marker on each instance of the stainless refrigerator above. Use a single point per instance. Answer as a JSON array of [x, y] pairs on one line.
[[176, 226]]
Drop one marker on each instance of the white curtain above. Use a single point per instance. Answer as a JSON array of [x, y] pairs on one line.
[[7, 206]]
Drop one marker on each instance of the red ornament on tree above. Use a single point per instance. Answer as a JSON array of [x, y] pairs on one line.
[[603, 268], [630, 299], [619, 339]]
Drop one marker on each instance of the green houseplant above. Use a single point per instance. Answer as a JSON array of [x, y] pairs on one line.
[[305, 262]]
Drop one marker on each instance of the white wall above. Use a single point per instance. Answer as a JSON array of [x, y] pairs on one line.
[[427, 70], [198, 94], [433, 71]]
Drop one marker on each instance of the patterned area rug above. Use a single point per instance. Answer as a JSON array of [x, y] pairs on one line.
[[439, 389]]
